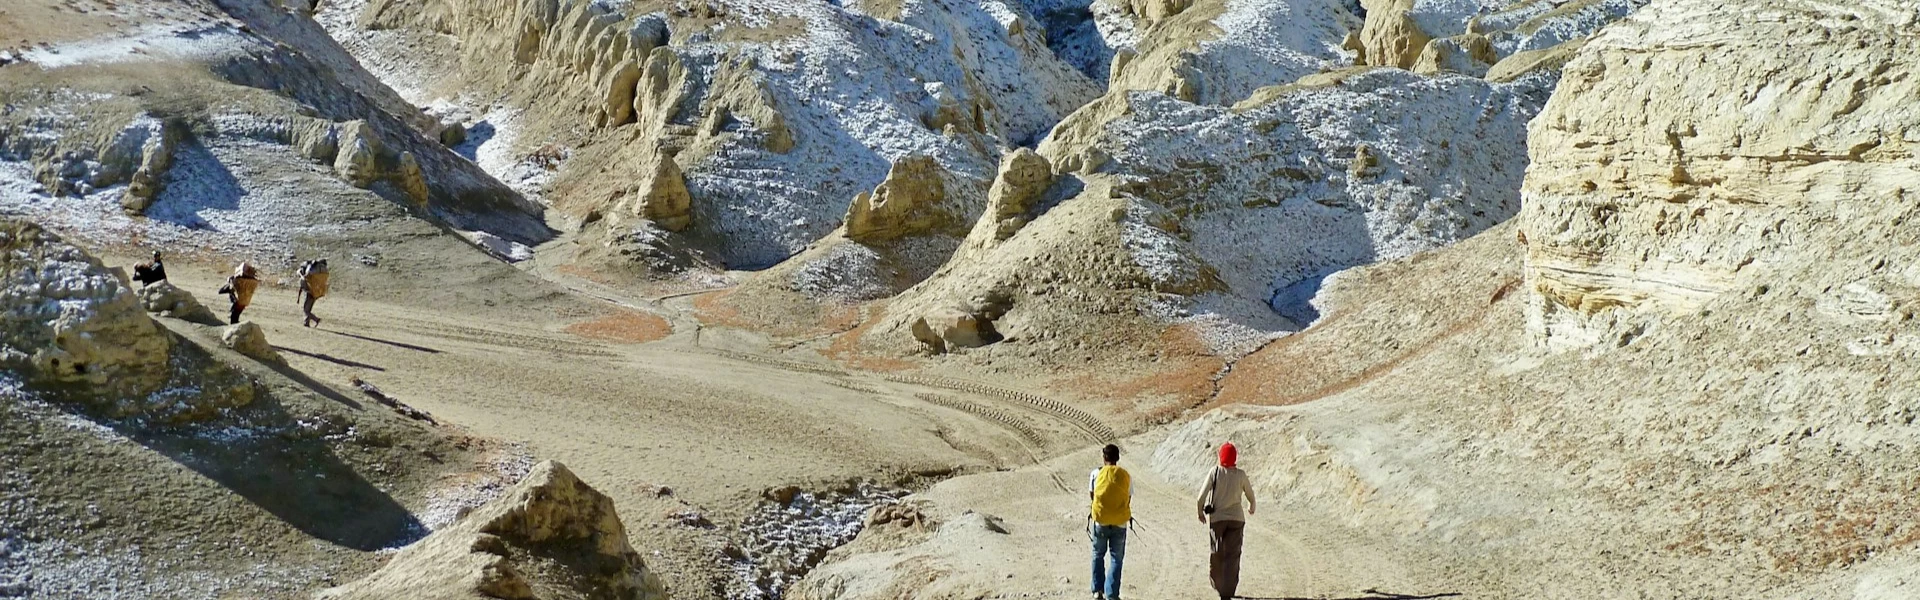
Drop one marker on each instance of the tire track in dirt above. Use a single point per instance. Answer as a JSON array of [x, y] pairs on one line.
[[522, 341], [1006, 420], [1095, 429]]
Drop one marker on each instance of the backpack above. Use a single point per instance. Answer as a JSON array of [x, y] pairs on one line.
[[1112, 497], [315, 275]]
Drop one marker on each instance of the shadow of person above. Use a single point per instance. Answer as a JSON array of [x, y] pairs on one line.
[[331, 358], [290, 473], [1367, 595], [376, 340], [276, 455]]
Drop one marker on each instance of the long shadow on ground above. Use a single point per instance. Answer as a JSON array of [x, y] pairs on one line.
[[1369, 595], [278, 459]]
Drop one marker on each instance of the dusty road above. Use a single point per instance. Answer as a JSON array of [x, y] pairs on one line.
[[720, 427]]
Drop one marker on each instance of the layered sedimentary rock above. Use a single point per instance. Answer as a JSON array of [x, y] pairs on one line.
[[1659, 185]]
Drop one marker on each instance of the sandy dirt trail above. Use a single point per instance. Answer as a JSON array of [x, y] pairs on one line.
[[720, 431], [1045, 550]]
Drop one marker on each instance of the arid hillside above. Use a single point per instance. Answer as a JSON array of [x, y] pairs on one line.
[[837, 300]]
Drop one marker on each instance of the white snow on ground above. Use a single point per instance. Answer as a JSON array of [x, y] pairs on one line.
[[404, 77], [1557, 29], [238, 197], [453, 499], [783, 542], [1269, 198], [848, 273], [854, 91], [154, 42], [1269, 42], [504, 249], [1444, 18]]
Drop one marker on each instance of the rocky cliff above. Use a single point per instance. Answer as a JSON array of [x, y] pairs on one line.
[[1725, 185]]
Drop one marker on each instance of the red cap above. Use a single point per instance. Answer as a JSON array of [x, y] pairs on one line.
[[1228, 455]]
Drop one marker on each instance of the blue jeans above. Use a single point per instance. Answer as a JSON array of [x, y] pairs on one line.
[[1110, 541]]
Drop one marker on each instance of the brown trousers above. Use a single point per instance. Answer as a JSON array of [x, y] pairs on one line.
[[1224, 566]]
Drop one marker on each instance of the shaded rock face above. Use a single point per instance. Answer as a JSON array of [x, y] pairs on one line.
[[1024, 178], [67, 319], [1649, 196], [550, 537]]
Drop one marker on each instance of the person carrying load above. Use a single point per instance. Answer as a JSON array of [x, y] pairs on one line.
[[313, 286], [239, 290]]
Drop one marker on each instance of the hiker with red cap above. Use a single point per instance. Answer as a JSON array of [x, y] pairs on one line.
[[1221, 509]]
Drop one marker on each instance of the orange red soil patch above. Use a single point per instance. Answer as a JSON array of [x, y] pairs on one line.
[[626, 326]]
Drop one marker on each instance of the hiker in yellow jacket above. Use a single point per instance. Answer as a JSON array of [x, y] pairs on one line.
[[239, 290], [1110, 489]]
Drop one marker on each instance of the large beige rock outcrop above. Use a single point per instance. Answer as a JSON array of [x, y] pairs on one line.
[[1391, 38], [908, 202], [1677, 164], [1023, 179], [549, 537], [663, 197], [65, 319]]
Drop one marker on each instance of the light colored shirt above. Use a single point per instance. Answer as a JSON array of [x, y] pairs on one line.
[[1224, 488]]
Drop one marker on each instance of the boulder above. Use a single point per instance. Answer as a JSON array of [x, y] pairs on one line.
[[1390, 37], [664, 198], [906, 203], [67, 319], [550, 536], [453, 134], [249, 339], [947, 328], [1467, 54], [358, 160], [1023, 179], [167, 300], [924, 333]]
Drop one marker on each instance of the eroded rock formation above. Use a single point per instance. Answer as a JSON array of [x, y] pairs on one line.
[[550, 536], [1649, 196], [70, 320], [911, 201]]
